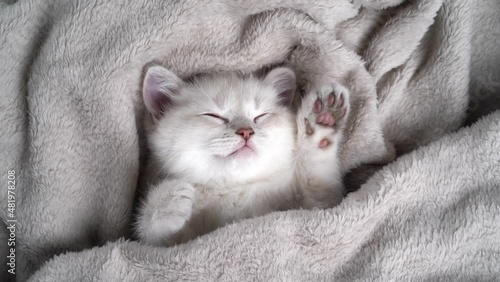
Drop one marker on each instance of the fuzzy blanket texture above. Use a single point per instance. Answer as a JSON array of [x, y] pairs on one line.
[[70, 76]]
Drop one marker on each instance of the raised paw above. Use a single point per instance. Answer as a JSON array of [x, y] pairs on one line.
[[325, 111], [166, 211]]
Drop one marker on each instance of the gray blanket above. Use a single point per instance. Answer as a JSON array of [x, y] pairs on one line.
[[70, 75]]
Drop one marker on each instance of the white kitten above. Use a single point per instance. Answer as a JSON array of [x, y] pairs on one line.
[[232, 147]]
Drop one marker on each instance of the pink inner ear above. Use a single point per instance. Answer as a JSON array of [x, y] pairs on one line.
[[158, 102], [283, 81], [286, 97], [159, 86]]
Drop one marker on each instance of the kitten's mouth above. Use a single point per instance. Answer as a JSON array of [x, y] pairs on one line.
[[244, 150]]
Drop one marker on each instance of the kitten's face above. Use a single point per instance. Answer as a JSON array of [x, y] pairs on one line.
[[226, 127]]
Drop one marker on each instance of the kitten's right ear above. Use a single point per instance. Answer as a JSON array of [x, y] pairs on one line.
[[159, 87]]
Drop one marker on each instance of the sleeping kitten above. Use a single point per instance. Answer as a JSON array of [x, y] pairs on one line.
[[232, 147]]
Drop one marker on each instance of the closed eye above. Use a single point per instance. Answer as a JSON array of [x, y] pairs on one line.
[[216, 116], [257, 118]]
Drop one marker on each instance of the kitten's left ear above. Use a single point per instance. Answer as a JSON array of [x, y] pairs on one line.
[[284, 82]]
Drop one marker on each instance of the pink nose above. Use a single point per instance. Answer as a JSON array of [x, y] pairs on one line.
[[245, 132]]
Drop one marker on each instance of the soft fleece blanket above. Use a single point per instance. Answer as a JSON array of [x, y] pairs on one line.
[[71, 72]]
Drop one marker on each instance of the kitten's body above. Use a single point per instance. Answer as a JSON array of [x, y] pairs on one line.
[[232, 148]]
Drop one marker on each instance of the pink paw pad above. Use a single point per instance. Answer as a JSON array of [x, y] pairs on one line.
[[309, 130], [318, 106], [331, 99], [325, 119], [326, 114], [324, 143]]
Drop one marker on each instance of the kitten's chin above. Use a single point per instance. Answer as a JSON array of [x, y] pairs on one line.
[[243, 152]]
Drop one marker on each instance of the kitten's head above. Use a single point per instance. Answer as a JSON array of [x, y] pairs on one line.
[[221, 127]]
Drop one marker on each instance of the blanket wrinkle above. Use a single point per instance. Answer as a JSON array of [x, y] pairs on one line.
[[70, 75]]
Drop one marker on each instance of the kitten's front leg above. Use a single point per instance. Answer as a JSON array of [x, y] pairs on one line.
[[321, 120], [165, 212]]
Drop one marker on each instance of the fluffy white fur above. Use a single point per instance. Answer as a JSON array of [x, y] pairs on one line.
[[209, 177]]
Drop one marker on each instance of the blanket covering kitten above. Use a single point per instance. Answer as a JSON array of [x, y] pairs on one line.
[[232, 147]]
